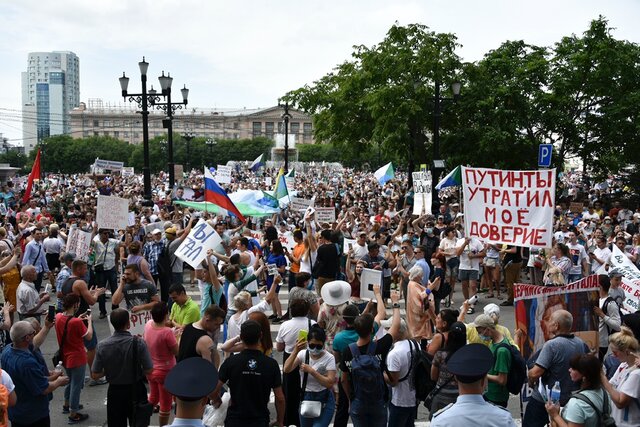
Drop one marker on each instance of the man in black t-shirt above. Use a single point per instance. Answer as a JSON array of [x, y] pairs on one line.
[[251, 376], [328, 260], [370, 413], [139, 294]]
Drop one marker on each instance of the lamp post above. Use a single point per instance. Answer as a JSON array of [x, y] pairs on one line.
[[210, 143], [438, 163], [286, 117], [188, 136], [142, 99], [169, 108]]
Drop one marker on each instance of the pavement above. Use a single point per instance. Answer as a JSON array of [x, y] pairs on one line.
[[94, 398]]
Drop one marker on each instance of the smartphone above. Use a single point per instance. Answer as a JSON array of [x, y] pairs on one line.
[[51, 313], [47, 288], [350, 246], [302, 335]]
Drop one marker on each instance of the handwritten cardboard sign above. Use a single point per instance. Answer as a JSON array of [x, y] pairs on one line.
[[113, 212], [193, 250]]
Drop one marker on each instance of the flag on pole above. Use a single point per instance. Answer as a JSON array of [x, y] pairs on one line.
[[35, 174], [257, 163], [281, 186], [452, 179], [291, 174], [215, 194], [385, 173]]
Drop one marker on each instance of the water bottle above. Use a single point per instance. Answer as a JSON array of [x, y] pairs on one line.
[[555, 393], [58, 368]]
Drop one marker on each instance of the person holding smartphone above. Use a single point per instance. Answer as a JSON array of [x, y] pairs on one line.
[[71, 332]]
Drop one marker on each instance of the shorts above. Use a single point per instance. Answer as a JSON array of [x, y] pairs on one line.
[[53, 261], [452, 267], [466, 275], [93, 342], [490, 262]]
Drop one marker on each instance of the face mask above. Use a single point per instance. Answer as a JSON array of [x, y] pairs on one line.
[[429, 230], [484, 337], [315, 351]]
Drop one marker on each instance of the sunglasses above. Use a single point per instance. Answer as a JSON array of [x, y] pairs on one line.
[[315, 346]]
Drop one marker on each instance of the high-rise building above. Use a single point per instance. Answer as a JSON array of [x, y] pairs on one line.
[[50, 90]]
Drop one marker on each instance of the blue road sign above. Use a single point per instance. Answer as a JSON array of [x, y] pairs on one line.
[[544, 155]]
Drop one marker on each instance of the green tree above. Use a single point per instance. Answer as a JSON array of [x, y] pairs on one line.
[[384, 95], [14, 158]]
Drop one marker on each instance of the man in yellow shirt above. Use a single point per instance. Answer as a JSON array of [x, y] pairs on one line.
[[492, 310], [184, 310]]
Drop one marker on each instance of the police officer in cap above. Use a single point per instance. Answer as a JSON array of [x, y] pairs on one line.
[[191, 382], [470, 365]]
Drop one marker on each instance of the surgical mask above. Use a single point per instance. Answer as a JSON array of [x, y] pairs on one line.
[[315, 351], [429, 230], [484, 337]]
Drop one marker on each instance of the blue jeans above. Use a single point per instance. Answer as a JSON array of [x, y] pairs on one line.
[[368, 414], [535, 415], [73, 389], [573, 278], [400, 416], [328, 408]]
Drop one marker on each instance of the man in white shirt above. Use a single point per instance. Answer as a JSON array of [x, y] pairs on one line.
[[104, 266], [600, 255], [28, 302], [579, 259], [470, 250], [403, 409], [360, 248]]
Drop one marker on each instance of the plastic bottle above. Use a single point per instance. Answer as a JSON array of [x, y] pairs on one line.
[[58, 367], [555, 393]]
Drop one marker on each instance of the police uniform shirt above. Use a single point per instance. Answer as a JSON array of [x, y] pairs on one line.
[[472, 409], [251, 376]]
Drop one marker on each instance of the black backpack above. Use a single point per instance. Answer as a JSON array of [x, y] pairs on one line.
[[420, 371], [605, 308], [604, 417], [517, 375], [165, 266]]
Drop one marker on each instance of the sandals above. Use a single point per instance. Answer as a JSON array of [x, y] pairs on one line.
[[471, 310], [77, 418]]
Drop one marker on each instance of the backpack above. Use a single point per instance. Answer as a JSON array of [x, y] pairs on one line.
[[604, 417], [165, 266], [605, 308], [517, 375], [4, 403], [420, 371], [366, 375]]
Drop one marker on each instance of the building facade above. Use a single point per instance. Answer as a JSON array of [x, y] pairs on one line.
[[124, 122], [50, 90]]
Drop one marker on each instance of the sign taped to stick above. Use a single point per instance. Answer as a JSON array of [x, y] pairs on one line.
[[223, 174], [79, 243], [193, 250], [509, 207]]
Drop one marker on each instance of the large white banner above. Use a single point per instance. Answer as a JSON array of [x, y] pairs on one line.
[[79, 243], [113, 212], [287, 240], [223, 174], [193, 250], [108, 164], [509, 207], [630, 279]]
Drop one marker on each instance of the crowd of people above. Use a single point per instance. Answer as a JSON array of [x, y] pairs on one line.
[[349, 351]]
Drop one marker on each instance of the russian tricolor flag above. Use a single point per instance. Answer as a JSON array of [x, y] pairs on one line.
[[257, 163], [215, 194]]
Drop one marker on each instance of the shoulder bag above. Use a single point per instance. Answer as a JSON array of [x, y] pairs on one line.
[[308, 408], [58, 356], [142, 411]]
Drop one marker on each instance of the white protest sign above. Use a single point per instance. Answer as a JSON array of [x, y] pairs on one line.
[[268, 181], [137, 320], [3, 209], [287, 240], [256, 234], [108, 164], [127, 172], [630, 279], [509, 207], [223, 174], [290, 182], [299, 204], [113, 212], [326, 214], [347, 244], [422, 198], [194, 247], [272, 269], [79, 243], [132, 219], [368, 278]]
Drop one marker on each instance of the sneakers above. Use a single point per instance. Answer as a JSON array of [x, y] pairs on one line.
[[101, 381], [273, 316], [77, 418], [65, 409], [277, 320], [103, 315]]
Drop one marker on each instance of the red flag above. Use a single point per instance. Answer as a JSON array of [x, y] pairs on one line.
[[35, 174]]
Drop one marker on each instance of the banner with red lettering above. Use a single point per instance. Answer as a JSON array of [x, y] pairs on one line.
[[535, 304], [509, 207]]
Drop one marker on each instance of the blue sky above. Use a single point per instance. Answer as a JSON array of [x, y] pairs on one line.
[[248, 53]]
